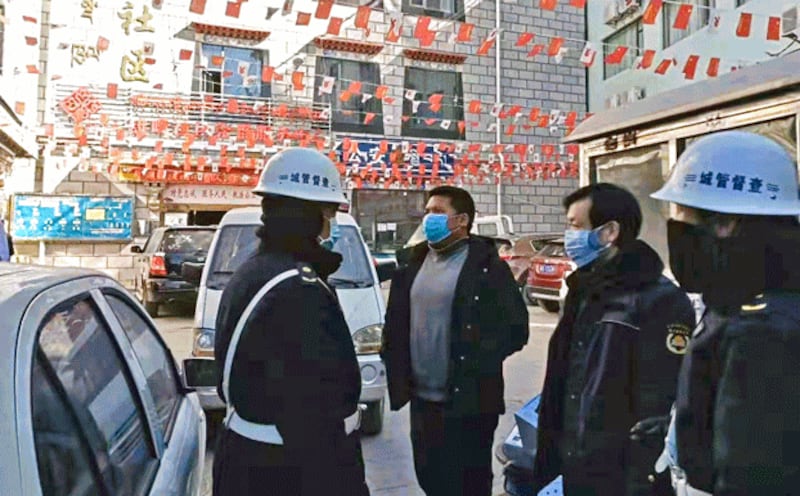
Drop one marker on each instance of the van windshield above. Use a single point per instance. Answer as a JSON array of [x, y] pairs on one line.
[[238, 243]]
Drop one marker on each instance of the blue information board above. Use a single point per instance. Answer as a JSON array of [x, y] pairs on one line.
[[77, 217], [369, 153]]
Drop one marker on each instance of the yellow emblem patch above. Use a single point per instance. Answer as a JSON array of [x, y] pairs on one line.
[[678, 336]]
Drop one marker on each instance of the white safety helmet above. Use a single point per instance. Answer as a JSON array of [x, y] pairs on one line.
[[734, 172], [301, 173]]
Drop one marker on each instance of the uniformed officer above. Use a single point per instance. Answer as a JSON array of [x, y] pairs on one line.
[[734, 237], [289, 372]]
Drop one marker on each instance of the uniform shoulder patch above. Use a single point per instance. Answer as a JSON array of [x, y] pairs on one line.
[[307, 273], [759, 304], [678, 336]]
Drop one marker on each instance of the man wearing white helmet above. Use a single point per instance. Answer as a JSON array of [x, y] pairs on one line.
[[734, 237], [289, 373]]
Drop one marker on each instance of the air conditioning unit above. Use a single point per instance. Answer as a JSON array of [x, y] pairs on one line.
[[789, 21], [624, 7], [635, 93], [611, 12]]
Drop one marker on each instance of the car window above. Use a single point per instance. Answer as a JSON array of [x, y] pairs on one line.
[[156, 361], [153, 241], [489, 230], [187, 241], [238, 243], [62, 453], [80, 349], [553, 250]]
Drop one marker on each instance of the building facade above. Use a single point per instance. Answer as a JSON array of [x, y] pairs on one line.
[[175, 105], [645, 47]]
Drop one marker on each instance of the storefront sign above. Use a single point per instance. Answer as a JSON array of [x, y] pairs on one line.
[[89, 218], [209, 195], [369, 154]]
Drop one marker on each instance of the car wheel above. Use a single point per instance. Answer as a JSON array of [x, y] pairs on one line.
[[372, 419], [549, 305], [151, 307]]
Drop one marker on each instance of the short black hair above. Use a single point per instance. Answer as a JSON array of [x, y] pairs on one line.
[[460, 199], [611, 202]]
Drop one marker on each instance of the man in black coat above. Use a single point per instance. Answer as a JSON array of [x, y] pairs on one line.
[[454, 314], [614, 358]]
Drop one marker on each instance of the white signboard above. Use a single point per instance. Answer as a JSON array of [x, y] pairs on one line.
[[209, 195]]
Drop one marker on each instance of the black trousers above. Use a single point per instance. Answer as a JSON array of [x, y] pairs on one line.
[[243, 467], [452, 454]]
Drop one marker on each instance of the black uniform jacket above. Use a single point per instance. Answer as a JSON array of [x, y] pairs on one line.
[[295, 365], [632, 326], [489, 323], [738, 410]]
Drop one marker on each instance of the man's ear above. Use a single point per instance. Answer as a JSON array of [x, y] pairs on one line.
[[612, 232]]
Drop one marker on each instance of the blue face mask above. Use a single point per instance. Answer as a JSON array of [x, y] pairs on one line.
[[435, 227], [335, 234], [583, 246]]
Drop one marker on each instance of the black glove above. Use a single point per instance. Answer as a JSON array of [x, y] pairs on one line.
[[651, 431]]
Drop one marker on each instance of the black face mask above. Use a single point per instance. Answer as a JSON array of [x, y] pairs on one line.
[[725, 270]]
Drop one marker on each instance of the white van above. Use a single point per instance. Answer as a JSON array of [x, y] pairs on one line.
[[356, 283]]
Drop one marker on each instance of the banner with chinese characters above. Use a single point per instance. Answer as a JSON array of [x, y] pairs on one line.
[[186, 194], [76, 217], [381, 155]]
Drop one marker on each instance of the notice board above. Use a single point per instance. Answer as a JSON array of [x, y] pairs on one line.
[[72, 218]]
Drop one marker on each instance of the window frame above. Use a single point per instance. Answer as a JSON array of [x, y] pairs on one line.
[[37, 310], [199, 83], [412, 130], [611, 70], [323, 68], [457, 14], [701, 12]]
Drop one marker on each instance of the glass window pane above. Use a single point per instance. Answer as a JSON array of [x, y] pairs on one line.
[[62, 454], [630, 36], [697, 21], [80, 349], [350, 111], [426, 120], [239, 75], [156, 361]]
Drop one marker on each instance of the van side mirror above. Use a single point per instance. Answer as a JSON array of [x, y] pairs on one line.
[[200, 373], [192, 272], [386, 270], [136, 249]]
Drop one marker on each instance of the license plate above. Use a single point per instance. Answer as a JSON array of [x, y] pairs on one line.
[[548, 269]]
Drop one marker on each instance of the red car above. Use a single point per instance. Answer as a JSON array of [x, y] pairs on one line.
[[547, 276], [519, 254]]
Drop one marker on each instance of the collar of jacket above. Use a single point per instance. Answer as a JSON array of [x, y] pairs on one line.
[[480, 248], [324, 262], [635, 265]]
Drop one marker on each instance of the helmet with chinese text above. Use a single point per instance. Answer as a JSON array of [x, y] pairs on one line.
[[301, 173], [734, 172]]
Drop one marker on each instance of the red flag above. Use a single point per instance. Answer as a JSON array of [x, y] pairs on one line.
[[216, 60], [544, 121], [323, 9], [555, 46], [368, 117], [102, 44], [647, 59], [197, 6], [380, 92], [533, 116], [297, 80], [548, 4], [303, 19], [354, 88], [267, 73], [233, 9], [465, 32], [335, 26], [651, 11], [423, 23], [461, 127], [684, 13], [743, 29], [31, 41], [395, 30], [111, 91], [485, 47], [362, 17], [580, 4], [536, 50], [664, 66], [185, 55], [617, 55], [524, 39], [32, 69], [691, 66], [774, 29], [474, 107], [713, 67], [29, 19], [427, 39]]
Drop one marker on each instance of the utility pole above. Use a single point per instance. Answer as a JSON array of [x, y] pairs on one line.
[[498, 130]]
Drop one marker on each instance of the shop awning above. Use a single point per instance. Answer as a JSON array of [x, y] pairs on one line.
[[434, 56]]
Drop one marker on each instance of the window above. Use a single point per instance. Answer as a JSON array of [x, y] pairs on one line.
[[446, 9], [697, 21], [630, 36], [350, 115], [62, 452], [238, 75], [76, 344], [433, 123], [739, 3], [155, 359]]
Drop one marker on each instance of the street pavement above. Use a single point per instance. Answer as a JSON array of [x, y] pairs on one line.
[[389, 464]]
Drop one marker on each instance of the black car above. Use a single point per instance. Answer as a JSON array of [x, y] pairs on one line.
[[159, 265]]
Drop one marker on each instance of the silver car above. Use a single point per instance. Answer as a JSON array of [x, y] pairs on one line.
[[92, 401]]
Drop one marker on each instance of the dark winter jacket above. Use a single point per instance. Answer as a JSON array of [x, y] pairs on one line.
[[489, 323], [613, 360], [738, 410], [295, 366]]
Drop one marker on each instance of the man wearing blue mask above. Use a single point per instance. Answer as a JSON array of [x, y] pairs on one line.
[[613, 359], [454, 314]]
